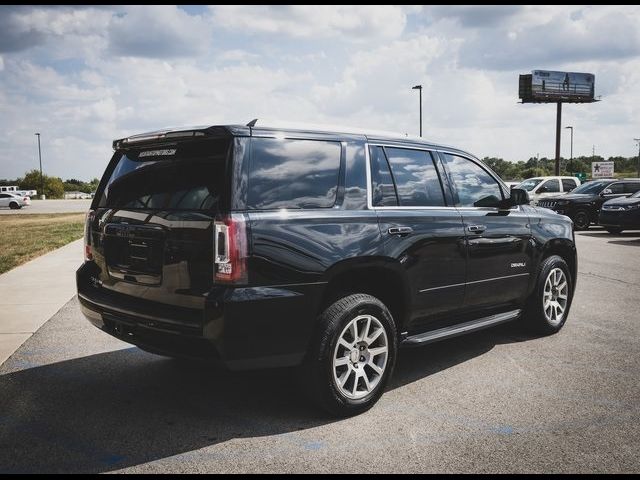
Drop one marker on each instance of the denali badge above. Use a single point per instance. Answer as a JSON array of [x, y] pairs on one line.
[[517, 265], [158, 153]]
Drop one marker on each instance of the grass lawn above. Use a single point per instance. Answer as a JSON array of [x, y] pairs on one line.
[[23, 237]]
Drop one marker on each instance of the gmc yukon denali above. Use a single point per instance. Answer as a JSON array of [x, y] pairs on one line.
[[321, 248]]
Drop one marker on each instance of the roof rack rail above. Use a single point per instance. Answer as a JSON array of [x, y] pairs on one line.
[[318, 127]]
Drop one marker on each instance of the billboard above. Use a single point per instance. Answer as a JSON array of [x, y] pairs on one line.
[[550, 86], [601, 169]]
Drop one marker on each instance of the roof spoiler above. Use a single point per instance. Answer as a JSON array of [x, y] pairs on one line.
[[164, 135]]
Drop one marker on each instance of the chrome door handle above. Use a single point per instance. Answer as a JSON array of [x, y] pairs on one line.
[[476, 228], [400, 230]]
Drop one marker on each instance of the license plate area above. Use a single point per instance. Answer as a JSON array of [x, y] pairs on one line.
[[134, 254]]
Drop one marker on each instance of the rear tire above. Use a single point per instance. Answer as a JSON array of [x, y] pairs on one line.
[[614, 231], [548, 306], [352, 356], [581, 220]]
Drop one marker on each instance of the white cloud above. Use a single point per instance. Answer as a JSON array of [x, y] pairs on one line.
[[160, 31], [84, 76], [384, 21]]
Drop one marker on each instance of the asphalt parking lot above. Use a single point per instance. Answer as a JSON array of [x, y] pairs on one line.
[[75, 400], [50, 206]]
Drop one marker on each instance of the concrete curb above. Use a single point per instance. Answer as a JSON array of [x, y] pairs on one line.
[[32, 293]]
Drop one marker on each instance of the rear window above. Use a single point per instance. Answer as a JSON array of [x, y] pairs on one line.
[[288, 173], [187, 176]]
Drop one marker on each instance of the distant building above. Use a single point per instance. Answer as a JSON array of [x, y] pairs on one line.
[[76, 195]]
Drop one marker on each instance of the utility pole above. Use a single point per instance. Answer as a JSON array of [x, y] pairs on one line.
[[41, 177], [558, 129], [419, 88], [638, 142]]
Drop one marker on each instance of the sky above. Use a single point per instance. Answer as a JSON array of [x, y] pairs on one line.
[[82, 76]]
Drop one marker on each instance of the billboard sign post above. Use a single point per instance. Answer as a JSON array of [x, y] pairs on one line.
[[601, 169], [548, 86]]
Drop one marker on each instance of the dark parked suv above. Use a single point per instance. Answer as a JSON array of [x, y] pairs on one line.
[[326, 250], [583, 204]]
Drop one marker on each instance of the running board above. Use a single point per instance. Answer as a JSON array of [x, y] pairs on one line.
[[460, 329]]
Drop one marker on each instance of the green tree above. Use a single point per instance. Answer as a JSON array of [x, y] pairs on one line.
[[53, 186]]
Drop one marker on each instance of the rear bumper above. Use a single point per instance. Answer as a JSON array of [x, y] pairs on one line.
[[242, 328]]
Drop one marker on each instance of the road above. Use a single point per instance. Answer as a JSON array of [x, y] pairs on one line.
[[50, 206], [75, 400]]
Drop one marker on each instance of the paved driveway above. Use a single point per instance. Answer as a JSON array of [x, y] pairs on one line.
[[50, 206], [75, 400]]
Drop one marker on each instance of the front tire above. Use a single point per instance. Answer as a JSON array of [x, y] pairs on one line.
[[14, 206], [548, 306], [352, 355], [581, 220], [614, 231]]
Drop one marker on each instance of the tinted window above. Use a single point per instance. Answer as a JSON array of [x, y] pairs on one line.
[[591, 187], [474, 186], [190, 176], [568, 184], [616, 188], [631, 187], [4, 195], [384, 192], [293, 173], [550, 186], [415, 177]]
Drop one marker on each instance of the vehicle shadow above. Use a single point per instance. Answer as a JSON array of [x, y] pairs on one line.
[[631, 238], [123, 408]]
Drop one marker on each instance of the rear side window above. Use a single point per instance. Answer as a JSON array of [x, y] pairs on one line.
[[384, 192], [568, 184], [416, 178], [187, 176], [293, 173], [631, 187]]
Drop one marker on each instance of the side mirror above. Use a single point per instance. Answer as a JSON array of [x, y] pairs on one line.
[[606, 191], [518, 196]]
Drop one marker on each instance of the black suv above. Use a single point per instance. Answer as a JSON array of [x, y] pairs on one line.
[[327, 250], [583, 204]]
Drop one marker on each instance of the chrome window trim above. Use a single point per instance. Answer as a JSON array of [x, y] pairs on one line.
[[429, 150], [474, 281]]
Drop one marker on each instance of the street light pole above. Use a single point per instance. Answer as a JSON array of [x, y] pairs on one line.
[[638, 141], [41, 177], [419, 88], [571, 141]]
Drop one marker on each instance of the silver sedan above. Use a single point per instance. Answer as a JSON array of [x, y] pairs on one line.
[[13, 200]]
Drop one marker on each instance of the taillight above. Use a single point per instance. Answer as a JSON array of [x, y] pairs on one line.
[[88, 252], [230, 250]]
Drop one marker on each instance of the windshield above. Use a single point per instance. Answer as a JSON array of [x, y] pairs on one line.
[[190, 176], [591, 187], [636, 195], [529, 184]]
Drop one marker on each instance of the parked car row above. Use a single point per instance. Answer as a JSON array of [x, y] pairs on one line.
[[544, 187], [13, 200], [603, 202]]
